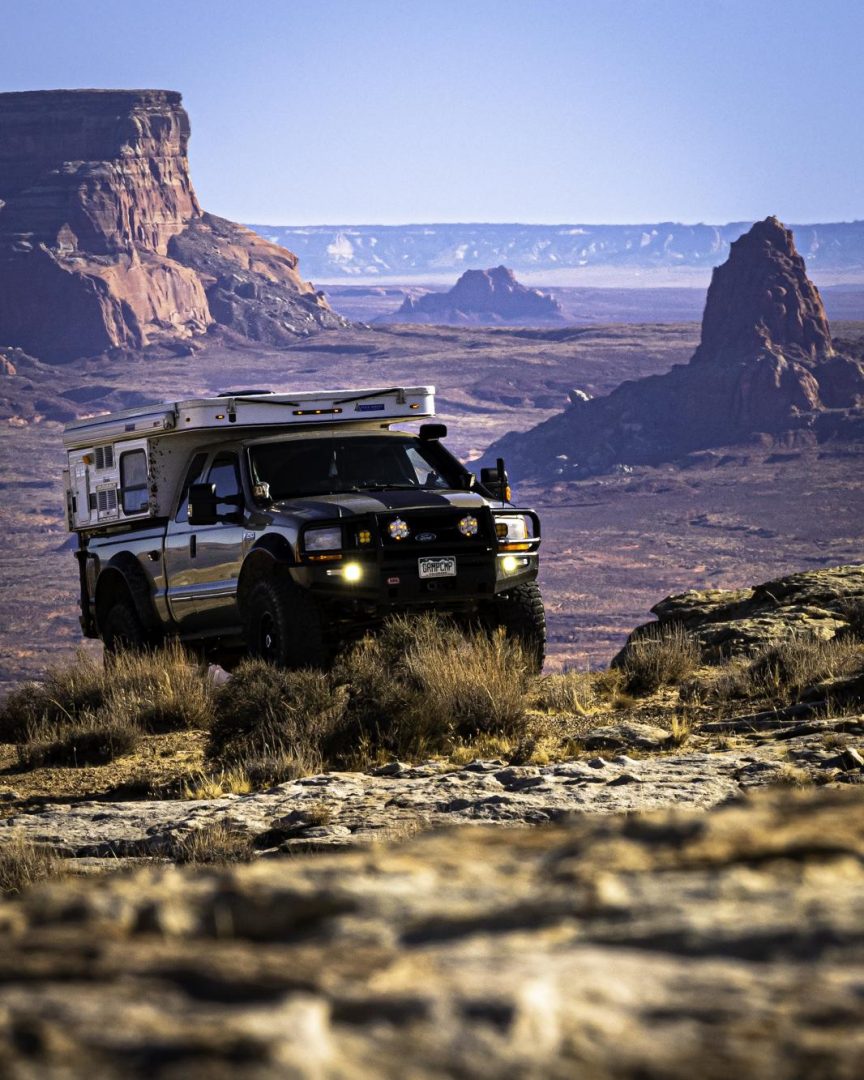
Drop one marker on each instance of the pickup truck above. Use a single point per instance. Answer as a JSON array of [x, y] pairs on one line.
[[284, 526]]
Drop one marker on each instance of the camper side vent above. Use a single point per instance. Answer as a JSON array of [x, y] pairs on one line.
[[106, 501], [105, 457]]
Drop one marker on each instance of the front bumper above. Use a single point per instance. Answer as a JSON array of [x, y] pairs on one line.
[[392, 583]]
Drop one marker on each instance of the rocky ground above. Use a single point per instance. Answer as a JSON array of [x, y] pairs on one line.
[[670, 944], [633, 767], [681, 896]]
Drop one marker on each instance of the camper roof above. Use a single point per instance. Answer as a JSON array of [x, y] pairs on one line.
[[250, 409]]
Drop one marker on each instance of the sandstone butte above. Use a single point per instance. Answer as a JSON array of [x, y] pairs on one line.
[[103, 243], [480, 296], [765, 367]]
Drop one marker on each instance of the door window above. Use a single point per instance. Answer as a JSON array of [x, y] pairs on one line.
[[225, 474], [194, 471]]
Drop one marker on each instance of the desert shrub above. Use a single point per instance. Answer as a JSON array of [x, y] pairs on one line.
[[23, 863], [66, 692], [662, 655], [573, 692], [783, 671], [265, 714], [164, 690], [421, 684], [853, 611], [88, 739], [216, 843]]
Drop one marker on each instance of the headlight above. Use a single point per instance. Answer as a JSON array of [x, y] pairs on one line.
[[512, 527], [329, 539]]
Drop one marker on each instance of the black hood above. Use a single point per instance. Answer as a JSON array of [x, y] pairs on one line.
[[352, 503]]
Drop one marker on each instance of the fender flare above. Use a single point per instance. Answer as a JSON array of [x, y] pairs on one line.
[[271, 553], [124, 575]]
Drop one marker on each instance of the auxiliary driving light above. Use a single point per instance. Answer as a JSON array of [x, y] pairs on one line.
[[508, 564], [352, 571], [398, 529], [468, 526]]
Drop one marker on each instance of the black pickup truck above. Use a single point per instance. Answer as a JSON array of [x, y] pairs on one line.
[[286, 540]]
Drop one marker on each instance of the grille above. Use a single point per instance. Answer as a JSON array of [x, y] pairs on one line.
[[104, 457], [106, 501], [444, 524]]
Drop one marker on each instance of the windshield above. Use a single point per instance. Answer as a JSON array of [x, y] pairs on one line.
[[299, 467]]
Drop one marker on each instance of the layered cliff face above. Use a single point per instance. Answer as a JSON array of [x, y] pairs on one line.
[[94, 194], [765, 365], [481, 297]]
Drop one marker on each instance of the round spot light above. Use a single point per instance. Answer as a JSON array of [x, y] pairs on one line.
[[468, 526], [352, 571], [398, 529], [509, 563]]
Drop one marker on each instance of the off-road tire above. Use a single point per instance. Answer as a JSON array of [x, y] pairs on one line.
[[522, 615], [122, 629], [283, 624]]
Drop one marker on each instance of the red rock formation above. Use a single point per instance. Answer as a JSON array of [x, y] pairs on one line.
[[761, 299], [765, 366], [94, 192], [481, 296]]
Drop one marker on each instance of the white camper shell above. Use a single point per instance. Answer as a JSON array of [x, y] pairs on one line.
[[125, 466]]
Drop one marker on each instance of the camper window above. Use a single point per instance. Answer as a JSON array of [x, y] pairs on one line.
[[133, 481]]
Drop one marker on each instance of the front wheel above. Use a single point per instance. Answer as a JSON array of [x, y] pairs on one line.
[[521, 613], [283, 625]]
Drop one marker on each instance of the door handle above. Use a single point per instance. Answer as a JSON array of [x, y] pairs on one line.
[[193, 546]]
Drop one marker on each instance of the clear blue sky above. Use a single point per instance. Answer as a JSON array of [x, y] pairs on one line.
[[388, 111]]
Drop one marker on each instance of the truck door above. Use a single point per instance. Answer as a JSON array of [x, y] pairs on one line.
[[203, 561]]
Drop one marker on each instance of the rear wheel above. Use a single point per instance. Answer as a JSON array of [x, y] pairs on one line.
[[522, 615], [283, 625], [122, 629]]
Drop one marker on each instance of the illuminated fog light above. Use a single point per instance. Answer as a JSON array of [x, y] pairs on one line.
[[398, 529], [508, 564], [352, 571], [468, 526]]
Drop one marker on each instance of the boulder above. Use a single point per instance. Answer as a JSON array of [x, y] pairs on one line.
[[814, 603]]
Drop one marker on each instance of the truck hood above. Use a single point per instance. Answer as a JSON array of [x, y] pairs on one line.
[[376, 502]]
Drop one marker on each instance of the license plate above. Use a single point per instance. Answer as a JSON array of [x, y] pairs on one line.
[[442, 566]]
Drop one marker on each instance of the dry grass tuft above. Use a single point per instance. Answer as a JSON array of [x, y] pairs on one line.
[[23, 863], [422, 687], [166, 690], [781, 673], [273, 720], [660, 656], [789, 775], [214, 844], [156, 691], [88, 739]]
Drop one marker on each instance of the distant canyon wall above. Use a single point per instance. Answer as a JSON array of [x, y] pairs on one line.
[[435, 251]]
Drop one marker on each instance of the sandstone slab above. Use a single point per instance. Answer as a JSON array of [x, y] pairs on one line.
[[671, 944]]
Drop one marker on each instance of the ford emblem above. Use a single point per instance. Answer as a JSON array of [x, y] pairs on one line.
[[424, 538]]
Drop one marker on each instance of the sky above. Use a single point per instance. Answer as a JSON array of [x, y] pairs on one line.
[[546, 111]]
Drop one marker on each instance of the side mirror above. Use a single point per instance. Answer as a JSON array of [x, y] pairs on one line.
[[428, 432], [496, 481], [202, 504]]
